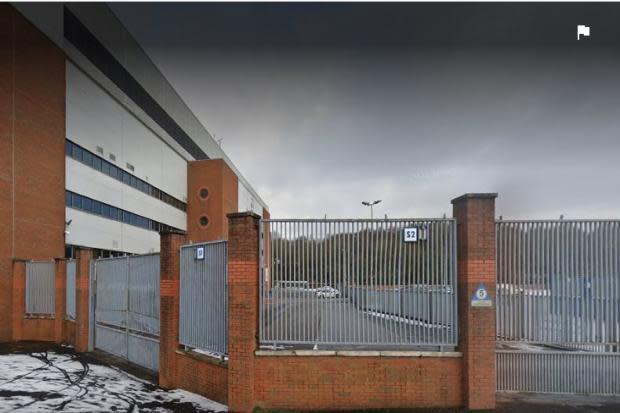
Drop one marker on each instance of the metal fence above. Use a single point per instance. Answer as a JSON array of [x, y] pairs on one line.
[[204, 297], [40, 288], [358, 283], [558, 281], [127, 308], [70, 292], [558, 372]]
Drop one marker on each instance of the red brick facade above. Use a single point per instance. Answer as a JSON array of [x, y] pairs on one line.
[[221, 183], [242, 309], [347, 383], [32, 160], [475, 216], [82, 298]]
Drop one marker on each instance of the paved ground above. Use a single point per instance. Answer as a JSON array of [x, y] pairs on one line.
[[554, 403], [304, 317], [44, 378]]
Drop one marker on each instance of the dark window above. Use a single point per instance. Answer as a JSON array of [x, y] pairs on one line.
[[67, 148], [97, 207], [87, 158], [97, 163], [105, 167], [76, 152], [127, 217], [87, 204], [67, 198], [134, 181], [114, 213], [114, 171], [126, 178], [105, 210], [76, 201]]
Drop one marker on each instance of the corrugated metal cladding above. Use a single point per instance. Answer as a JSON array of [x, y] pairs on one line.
[[204, 297], [127, 308], [358, 283], [70, 298], [40, 288], [96, 52]]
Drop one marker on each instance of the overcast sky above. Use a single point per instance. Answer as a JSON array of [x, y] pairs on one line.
[[324, 106]]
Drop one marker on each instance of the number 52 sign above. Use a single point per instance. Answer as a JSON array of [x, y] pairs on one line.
[[410, 235]]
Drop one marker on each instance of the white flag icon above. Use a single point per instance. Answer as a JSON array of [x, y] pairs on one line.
[[583, 31]]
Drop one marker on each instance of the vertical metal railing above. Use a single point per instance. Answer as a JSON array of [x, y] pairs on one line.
[[203, 318], [558, 281], [558, 372], [70, 292], [40, 288], [358, 283]]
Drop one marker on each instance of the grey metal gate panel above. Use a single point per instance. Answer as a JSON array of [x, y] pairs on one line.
[[204, 297], [40, 288], [358, 283], [127, 308], [70, 292], [558, 281], [558, 286], [558, 372]]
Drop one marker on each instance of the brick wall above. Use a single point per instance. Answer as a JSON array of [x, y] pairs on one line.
[[242, 309], [220, 181], [82, 298], [346, 383], [32, 160], [475, 215]]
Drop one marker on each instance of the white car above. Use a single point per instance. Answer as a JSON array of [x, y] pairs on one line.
[[327, 292]]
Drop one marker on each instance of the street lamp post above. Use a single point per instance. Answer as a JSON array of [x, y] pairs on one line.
[[371, 204]]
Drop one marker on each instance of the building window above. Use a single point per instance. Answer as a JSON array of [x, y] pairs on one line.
[[204, 193], [204, 221], [100, 164], [73, 200]]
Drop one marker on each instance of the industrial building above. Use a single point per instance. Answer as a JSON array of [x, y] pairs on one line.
[[97, 148]]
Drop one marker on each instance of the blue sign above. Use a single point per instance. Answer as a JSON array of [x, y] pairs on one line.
[[481, 297]]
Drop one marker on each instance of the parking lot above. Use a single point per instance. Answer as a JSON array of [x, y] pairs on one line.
[[302, 319]]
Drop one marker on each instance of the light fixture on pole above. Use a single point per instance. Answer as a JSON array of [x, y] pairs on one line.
[[371, 204]]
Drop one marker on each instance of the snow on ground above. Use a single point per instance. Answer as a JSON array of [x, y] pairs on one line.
[[47, 381]]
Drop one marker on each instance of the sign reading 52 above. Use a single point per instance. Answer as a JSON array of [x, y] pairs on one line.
[[410, 235]]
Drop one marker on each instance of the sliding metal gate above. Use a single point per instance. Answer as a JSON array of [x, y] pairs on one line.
[[558, 306], [127, 308]]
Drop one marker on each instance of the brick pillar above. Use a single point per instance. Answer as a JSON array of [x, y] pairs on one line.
[[82, 298], [243, 279], [170, 272], [475, 216], [18, 299], [60, 299]]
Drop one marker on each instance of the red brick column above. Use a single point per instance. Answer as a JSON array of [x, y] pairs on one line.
[[170, 269], [19, 298], [82, 303], [60, 299], [475, 216], [243, 279]]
